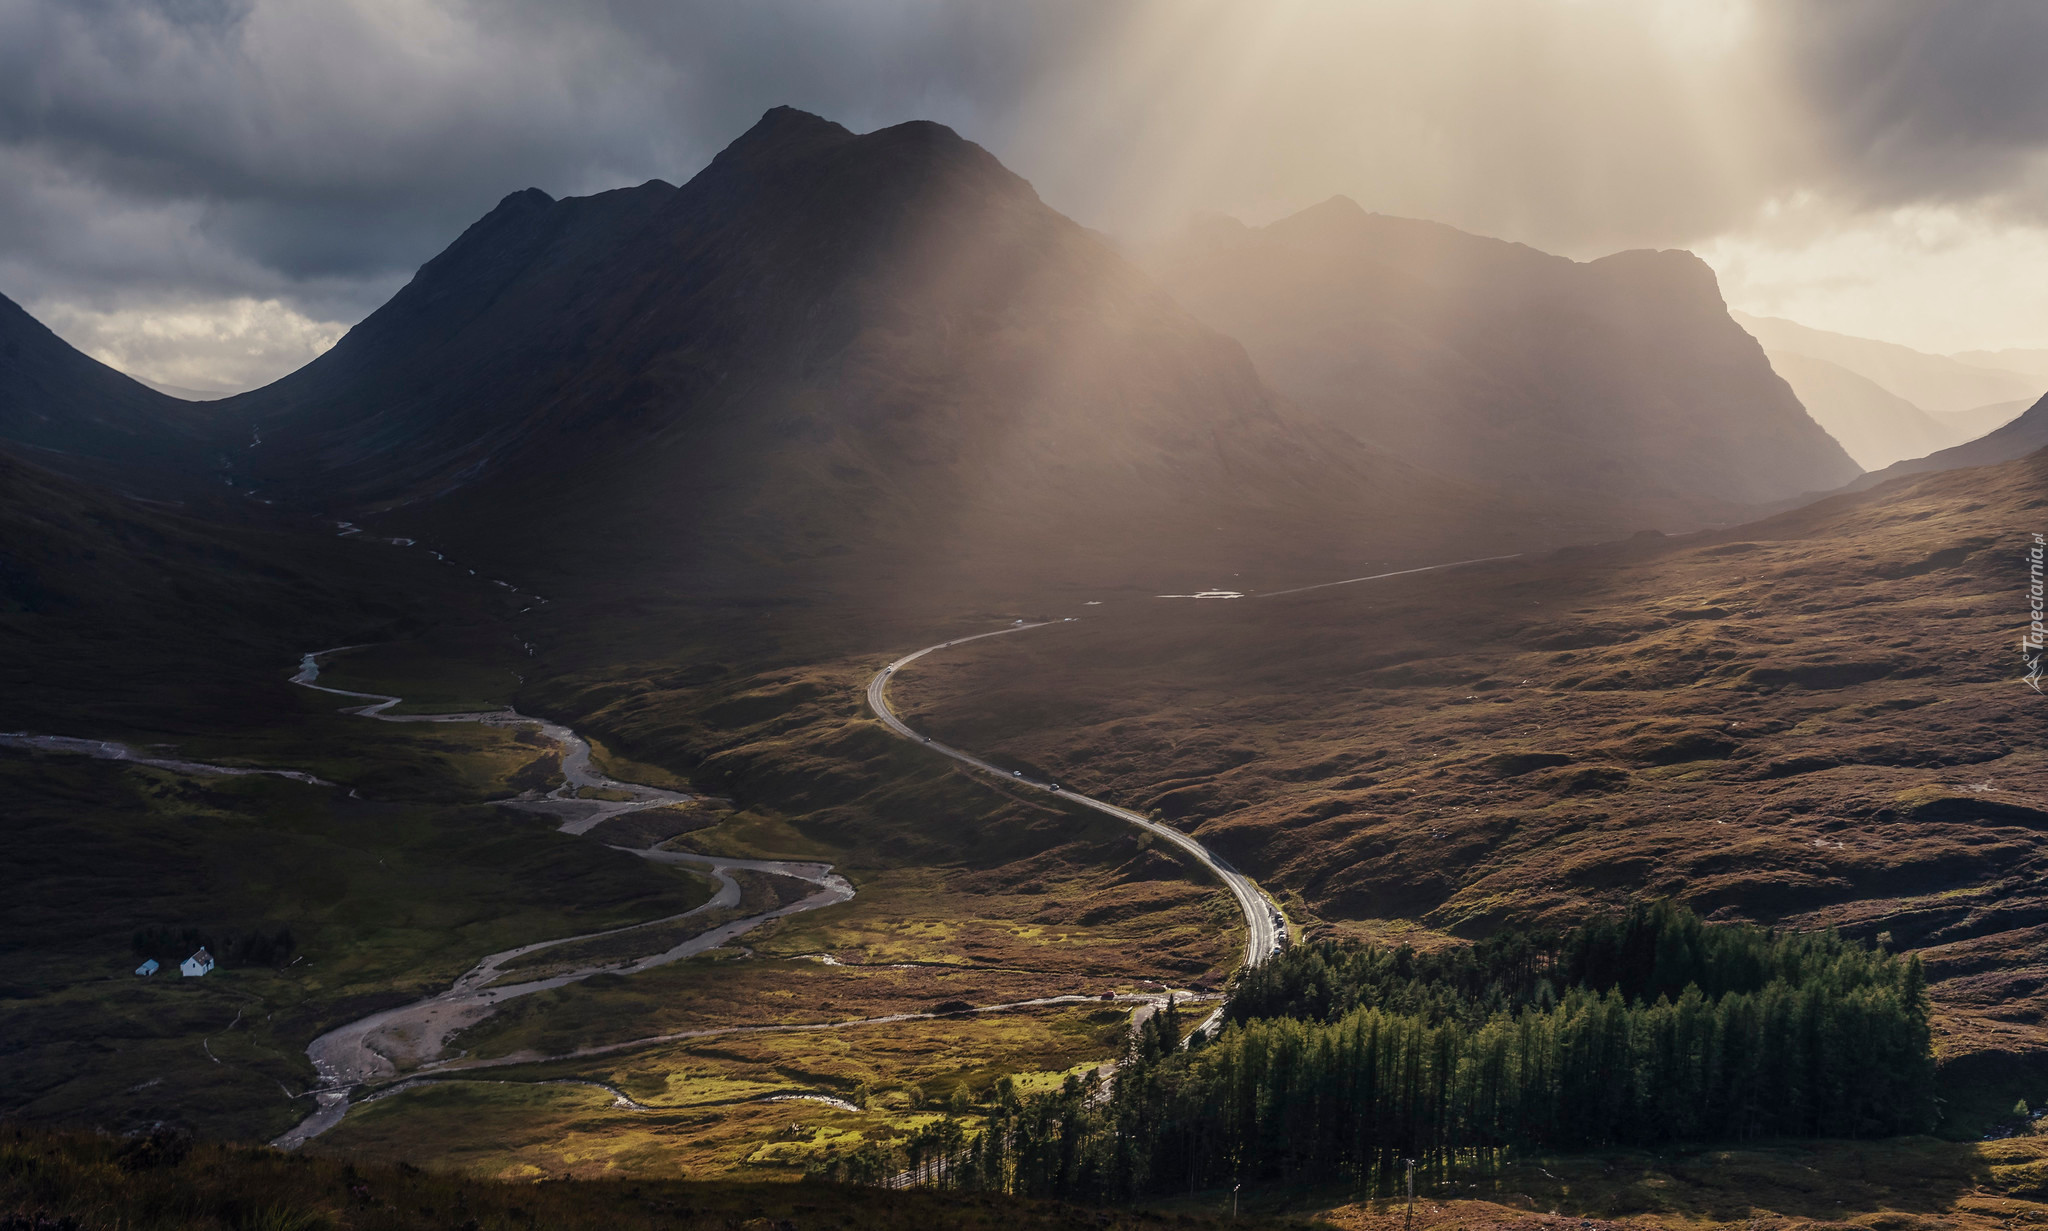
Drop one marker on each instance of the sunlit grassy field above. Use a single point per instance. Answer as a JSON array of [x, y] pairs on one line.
[[725, 1105]]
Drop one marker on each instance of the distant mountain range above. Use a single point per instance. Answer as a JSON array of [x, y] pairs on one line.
[[1876, 426], [880, 361], [2024, 435], [1886, 402], [1622, 378], [1937, 383]]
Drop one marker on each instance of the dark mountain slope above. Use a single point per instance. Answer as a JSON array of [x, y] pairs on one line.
[[1623, 378], [2016, 439], [71, 411], [120, 615], [431, 383], [829, 353]]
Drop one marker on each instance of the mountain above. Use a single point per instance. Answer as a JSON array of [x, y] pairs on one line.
[[1934, 383], [2022, 436], [71, 412], [1876, 426], [876, 356], [1622, 378], [2028, 361], [1969, 424], [184, 394]]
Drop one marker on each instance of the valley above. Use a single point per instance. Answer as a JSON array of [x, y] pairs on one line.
[[1349, 589]]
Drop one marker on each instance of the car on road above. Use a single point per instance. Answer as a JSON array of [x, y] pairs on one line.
[[1016, 773]]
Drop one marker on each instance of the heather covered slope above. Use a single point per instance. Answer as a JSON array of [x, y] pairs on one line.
[[829, 355], [1623, 379], [1813, 719]]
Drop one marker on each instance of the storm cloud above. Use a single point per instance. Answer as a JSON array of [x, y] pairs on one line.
[[207, 191]]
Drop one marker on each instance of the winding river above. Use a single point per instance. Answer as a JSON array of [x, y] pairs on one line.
[[411, 1038]]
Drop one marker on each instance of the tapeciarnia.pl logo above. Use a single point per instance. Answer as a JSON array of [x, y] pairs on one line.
[[2031, 643]]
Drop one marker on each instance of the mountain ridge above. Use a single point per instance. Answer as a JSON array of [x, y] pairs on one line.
[[827, 345], [1935, 383], [2022, 436], [69, 411], [1495, 362]]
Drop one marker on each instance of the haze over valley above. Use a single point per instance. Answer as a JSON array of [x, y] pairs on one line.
[[802, 637]]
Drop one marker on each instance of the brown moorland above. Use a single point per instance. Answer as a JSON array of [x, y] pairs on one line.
[[1812, 720]]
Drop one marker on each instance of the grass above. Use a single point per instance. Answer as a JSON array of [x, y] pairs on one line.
[[434, 674], [1808, 721], [706, 1116], [386, 900], [213, 1187], [909, 940], [1387, 771], [1909, 1184], [1027, 900], [1896, 1185]]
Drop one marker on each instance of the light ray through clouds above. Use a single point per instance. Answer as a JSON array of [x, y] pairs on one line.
[[202, 161]]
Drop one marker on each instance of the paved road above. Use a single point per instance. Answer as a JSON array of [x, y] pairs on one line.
[[1399, 572], [1264, 932]]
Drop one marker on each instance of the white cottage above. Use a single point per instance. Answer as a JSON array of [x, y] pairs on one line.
[[196, 965], [148, 968]]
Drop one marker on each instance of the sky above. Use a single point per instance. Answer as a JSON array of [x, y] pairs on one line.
[[207, 193]]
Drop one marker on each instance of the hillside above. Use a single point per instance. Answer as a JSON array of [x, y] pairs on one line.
[[1967, 425], [1810, 720], [827, 359], [1622, 379], [66, 410], [1877, 427], [2018, 438], [119, 614], [54, 1180], [2030, 361]]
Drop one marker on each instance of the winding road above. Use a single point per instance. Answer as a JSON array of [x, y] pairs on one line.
[[1265, 931]]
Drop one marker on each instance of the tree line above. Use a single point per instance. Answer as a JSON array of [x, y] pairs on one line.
[[1338, 1062]]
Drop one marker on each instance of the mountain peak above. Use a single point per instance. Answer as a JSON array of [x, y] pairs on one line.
[[782, 133], [1339, 206], [525, 198], [1676, 272]]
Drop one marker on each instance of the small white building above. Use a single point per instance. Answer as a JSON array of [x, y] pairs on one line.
[[196, 965], [148, 968]]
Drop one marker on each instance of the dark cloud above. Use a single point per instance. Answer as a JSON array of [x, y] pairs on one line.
[[1922, 100], [351, 141]]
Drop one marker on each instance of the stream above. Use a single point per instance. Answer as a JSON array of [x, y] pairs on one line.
[[412, 1037]]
